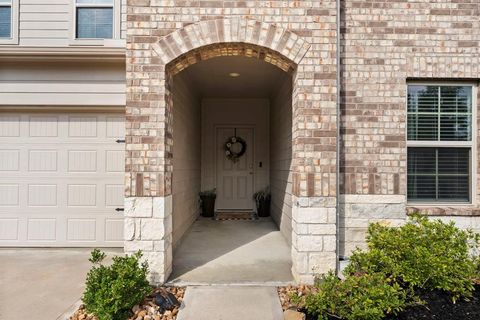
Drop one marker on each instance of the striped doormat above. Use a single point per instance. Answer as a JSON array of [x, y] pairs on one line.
[[245, 216]]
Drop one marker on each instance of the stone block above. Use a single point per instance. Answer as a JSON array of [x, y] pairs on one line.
[[138, 207], [319, 229], [322, 262], [162, 206], [128, 228], [153, 229], [309, 243], [329, 243], [300, 261], [310, 215], [135, 245]]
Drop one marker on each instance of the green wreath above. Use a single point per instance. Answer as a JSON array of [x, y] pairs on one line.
[[232, 155]]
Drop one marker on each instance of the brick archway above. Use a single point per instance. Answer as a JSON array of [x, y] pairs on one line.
[[233, 30], [149, 138]]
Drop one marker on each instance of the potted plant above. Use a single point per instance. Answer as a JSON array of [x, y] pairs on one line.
[[207, 202], [262, 200]]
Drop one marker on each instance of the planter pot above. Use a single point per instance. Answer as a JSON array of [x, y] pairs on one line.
[[263, 208], [208, 206]]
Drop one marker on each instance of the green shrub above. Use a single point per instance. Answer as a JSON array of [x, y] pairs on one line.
[[112, 291], [423, 253], [360, 296]]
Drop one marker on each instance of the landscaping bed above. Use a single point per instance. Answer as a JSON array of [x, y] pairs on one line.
[[425, 269], [438, 305], [147, 310]]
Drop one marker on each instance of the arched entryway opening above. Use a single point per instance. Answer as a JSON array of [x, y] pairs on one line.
[[153, 143], [231, 91]]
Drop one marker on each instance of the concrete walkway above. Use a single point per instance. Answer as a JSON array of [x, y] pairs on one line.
[[232, 252], [230, 303], [44, 281]]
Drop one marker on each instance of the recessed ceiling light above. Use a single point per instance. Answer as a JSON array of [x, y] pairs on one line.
[[234, 74]]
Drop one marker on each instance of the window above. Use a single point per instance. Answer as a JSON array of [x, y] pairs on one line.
[[439, 141], [6, 19], [94, 19]]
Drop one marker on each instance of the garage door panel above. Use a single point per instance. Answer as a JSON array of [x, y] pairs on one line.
[[81, 229], [9, 195], [9, 160], [115, 127], [42, 229], [42, 195], [61, 179], [114, 195], [114, 161], [82, 160], [43, 126], [114, 230], [9, 228], [42, 160], [9, 126], [80, 126]]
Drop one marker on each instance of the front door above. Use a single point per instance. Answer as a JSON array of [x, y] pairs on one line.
[[234, 178]]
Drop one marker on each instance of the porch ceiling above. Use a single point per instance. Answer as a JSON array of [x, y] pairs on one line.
[[211, 78]]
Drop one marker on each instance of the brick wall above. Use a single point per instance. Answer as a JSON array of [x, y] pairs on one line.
[[163, 37], [385, 43]]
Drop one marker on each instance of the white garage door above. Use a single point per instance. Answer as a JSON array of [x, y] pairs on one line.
[[61, 179]]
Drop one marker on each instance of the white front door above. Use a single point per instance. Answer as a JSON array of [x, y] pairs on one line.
[[234, 179]]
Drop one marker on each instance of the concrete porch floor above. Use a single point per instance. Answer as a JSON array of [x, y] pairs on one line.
[[232, 252], [44, 281]]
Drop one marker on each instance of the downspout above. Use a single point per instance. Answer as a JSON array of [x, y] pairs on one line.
[[338, 149]]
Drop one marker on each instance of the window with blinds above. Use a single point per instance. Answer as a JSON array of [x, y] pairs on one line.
[[439, 140], [5, 18], [94, 19]]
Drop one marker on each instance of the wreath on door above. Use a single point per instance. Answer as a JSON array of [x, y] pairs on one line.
[[235, 147]]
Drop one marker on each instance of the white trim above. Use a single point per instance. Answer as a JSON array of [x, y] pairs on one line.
[[14, 4], [115, 41], [438, 144]]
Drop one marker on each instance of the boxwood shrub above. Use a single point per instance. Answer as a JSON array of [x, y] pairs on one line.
[[382, 280], [424, 253], [112, 291]]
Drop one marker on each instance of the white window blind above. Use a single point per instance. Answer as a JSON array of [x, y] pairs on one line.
[[94, 19], [439, 139], [5, 18]]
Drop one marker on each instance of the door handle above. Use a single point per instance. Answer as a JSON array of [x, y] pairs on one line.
[[250, 173], [119, 209]]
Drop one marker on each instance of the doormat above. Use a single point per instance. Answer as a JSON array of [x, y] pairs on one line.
[[245, 216]]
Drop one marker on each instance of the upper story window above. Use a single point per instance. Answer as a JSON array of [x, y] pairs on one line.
[[440, 143], [94, 19], [6, 8]]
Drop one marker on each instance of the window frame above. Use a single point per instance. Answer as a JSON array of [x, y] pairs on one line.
[[14, 5], [116, 24], [447, 144]]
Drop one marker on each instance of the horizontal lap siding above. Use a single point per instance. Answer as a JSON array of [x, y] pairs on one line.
[[79, 83], [47, 23]]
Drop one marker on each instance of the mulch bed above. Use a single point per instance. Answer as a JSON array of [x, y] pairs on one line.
[[147, 310], [438, 305]]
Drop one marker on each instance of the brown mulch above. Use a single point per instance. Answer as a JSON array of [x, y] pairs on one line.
[[148, 310], [285, 294]]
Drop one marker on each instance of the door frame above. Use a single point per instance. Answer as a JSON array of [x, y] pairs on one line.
[[232, 126]]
